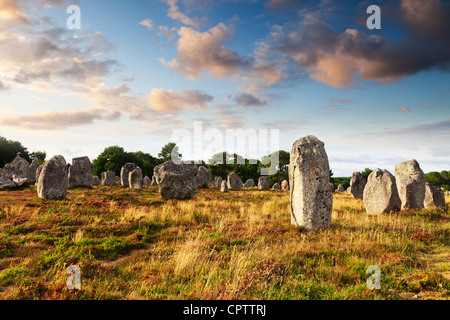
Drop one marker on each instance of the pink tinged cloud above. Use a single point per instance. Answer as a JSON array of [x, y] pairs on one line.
[[404, 109], [169, 101], [53, 120], [12, 10], [200, 52], [147, 23], [347, 58], [176, 14]]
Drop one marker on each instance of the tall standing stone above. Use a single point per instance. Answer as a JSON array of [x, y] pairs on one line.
[[434, 196], [81, 172], [32, 171], [176, 181], [108, 178], [357, 184], [234, 181], [380, 193], [224, 187], [38, 172], [124, 173], [309, 179], [340, 188], [218, 181], [53, 180], [410, 181], [203, 177], [263, 183], [249, 183], [135, 178], [284, 185]]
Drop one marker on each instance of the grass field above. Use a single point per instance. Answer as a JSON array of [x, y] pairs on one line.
[[132, 244]]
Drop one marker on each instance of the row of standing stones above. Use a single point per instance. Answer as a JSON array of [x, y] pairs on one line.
[[311, 192]]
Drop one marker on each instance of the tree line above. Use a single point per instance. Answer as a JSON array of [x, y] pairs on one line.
[[10, 149], [221, 164]]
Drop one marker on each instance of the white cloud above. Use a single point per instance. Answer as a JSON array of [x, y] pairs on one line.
[[176, 14], [147, 23]]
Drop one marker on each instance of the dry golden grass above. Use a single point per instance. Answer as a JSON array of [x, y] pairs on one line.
[[132, 244]]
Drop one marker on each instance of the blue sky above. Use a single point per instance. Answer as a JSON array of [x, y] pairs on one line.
[[138, 70]]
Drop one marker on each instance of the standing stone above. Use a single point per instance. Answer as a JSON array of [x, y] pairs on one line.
[[249, 183], [309, 179], [224, 187], [332, 186], [154, 182], [434, 196], [38, 172], [176, 181], [108, 178], [96, 181], [203, 177], [146, 182], [19, 181], [53, 180], [348, 190], [124, 173], [263, 183], [135, 178], [284, 185], [14, 174], [6, 180], [276, 186], [32, 171], [234, 181], [380, 193], [118, 182], [340, 188], [410, 181], [218, 181], [357, 184], [19, 167], [6, 183], [81, 172]]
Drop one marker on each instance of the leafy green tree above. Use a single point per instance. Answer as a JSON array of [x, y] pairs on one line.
[[40, 155], [223, 163], [167, 151], [10, 149], [345, 181], [366, 173], [434, 178], [111, 159], [146, 162], [280, 166]]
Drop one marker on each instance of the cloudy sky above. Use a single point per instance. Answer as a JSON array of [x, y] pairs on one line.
[[137, 71]]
